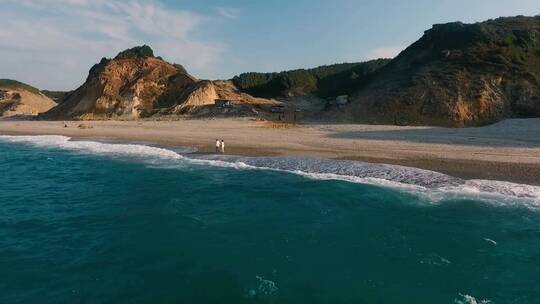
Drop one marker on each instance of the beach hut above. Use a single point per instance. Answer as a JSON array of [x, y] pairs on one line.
[[289, 115], [223, 103]]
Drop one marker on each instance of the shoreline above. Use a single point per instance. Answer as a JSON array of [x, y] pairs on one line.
[[498, 153]]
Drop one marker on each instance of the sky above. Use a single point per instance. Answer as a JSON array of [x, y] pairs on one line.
[[52, 44]]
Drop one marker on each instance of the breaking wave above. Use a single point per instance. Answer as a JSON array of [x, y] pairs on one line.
[[434, 185]]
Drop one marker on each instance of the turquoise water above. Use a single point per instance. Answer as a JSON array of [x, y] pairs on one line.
[[85, 222]]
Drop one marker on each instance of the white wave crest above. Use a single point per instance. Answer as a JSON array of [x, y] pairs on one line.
[[63, 142], [433, 185], [467, 299]]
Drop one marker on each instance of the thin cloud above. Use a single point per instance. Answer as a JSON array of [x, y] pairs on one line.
[[63, 38], [230, 13]]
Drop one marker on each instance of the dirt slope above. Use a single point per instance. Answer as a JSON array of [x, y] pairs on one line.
[[22, 100]]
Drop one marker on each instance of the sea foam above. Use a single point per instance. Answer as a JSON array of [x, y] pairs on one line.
[[433, 185], [93, 147]]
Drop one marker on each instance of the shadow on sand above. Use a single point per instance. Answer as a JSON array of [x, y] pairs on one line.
[[522, 133]]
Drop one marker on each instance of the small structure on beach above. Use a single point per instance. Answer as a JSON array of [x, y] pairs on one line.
[[339, 101], [342, 100], [289, 115], [223, 103]]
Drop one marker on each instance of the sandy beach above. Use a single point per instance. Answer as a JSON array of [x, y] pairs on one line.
[[509, 150]]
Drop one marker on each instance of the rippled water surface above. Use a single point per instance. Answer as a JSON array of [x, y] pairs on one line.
[[86, 222]]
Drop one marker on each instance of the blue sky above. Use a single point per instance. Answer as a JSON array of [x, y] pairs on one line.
[[52, 43]]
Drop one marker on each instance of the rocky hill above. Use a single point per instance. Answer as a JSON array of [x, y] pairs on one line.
[[127, 86], [20, 99], [457, 75], [136, 84]]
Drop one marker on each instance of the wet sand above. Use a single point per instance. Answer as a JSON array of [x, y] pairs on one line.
[[509, 150]]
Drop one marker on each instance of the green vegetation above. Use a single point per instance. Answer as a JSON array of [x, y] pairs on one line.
[[10, 83], [136, 52], [57, 96], [509, 40], [323, 81]]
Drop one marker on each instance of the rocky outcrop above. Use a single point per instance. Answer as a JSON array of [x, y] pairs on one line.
[[200, 100], [135, 84], [200, 95], [457, 75], [18, 99], [132, 85]]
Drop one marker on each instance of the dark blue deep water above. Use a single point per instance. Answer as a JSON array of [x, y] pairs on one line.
[[100, 225]]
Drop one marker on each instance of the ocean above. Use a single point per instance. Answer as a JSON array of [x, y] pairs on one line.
[[112, 222]]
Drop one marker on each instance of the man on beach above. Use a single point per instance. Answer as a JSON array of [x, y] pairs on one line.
[[218, 146]]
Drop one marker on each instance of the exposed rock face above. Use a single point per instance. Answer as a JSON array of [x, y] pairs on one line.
[[200, 95], [20, 101], [458, 75], [200, 99], [135, 84], [124, 87]]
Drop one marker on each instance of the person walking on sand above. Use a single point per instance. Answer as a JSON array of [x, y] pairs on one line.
[[218, 146], [222, 146]]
